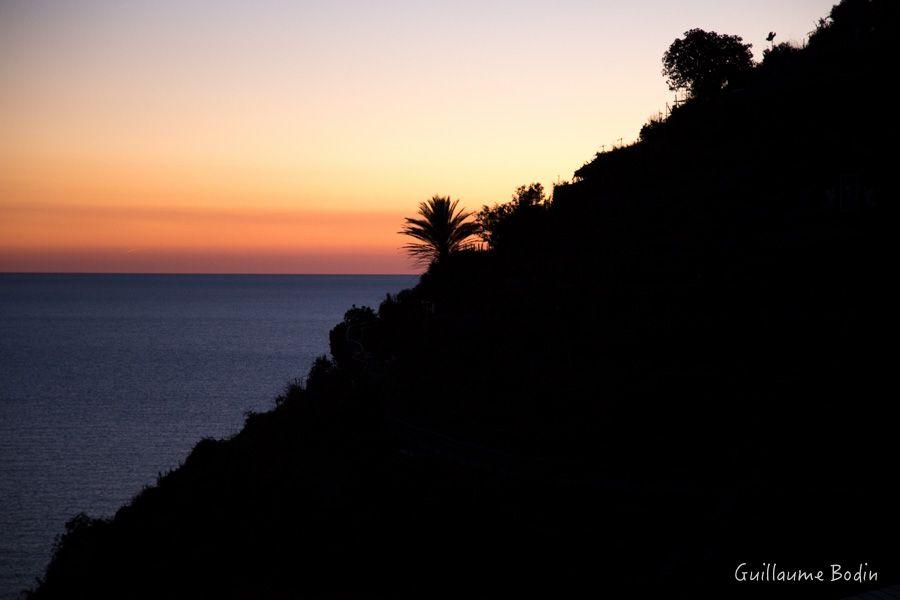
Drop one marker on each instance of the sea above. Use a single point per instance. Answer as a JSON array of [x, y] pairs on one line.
[[106, 381]]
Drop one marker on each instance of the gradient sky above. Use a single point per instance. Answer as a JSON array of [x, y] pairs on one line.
[[292, 137]]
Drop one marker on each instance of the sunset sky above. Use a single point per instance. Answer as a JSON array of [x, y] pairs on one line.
[[292, 137]]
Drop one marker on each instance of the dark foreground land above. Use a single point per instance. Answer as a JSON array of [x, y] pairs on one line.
[[683, 362]]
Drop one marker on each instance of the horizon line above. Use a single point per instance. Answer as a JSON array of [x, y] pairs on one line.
[[206, 273]]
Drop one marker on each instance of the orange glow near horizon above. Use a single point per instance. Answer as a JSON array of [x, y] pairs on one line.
[[177, 239], [277, 137]]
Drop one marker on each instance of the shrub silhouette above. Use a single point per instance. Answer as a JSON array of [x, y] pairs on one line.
[[781, 54], [508, 224], [349, 339]]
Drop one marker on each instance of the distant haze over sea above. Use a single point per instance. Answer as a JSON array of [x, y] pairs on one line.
[[107, 380]]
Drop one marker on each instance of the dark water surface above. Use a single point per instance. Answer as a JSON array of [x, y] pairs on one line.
[[107, 380]]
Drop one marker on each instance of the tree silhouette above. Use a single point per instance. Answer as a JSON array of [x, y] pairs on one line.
[[442, 230], [703, 62], [497, 221]]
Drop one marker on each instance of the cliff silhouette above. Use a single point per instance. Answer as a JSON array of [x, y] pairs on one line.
[[679, 363]]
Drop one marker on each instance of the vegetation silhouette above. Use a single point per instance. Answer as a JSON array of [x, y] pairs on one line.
[[675, 365], [441, 230], [703, 62], [512, 224]]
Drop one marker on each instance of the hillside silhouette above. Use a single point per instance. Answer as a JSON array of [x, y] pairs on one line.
[[679, 362]]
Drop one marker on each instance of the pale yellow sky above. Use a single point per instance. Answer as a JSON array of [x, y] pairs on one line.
[[171, 136]]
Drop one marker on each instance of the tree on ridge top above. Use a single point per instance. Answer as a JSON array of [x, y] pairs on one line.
[[703, 62]]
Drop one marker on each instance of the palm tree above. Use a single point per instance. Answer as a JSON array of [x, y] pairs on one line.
[[441, 230]]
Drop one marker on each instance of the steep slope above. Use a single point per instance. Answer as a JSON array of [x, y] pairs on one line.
[[678, 365]]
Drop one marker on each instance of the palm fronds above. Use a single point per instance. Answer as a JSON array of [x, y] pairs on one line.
[[441, 230]]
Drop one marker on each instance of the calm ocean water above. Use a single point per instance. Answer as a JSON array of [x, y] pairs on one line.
[[107, 380]]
